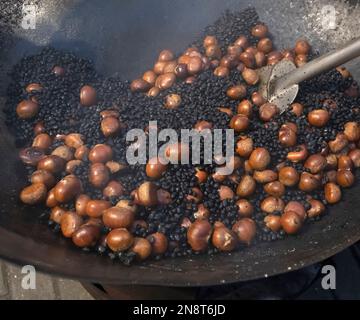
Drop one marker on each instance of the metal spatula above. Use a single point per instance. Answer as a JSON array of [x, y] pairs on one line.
[[279, 84]]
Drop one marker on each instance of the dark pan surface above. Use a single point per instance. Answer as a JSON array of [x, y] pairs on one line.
[[125, 37]]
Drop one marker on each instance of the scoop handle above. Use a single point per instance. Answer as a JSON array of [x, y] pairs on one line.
[[320, 65]]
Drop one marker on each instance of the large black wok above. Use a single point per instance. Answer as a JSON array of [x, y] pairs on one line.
[[125, 37]]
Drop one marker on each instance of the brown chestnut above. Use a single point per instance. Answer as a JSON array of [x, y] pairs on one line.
[[318, 117], [248, 59], [308, 182], [250, 76], [317, 208], [110, 126], [119, 240], [43, 176], [244, 146], [296, 207], [245, 230], [246, 187], [302, 47], [116, 217], [201, 175], [81, 203], [297, 108], [159, 243], [146, 194], [275, 188], [88, 96], [53, 164], [74, 140], [165, 81], [245, 208], [259, 159], [265, 176], [271, 204], [239, 122], [27, 109], [345, 178], [339, 143], [345, 162], [245, 108], [50, 199], [267, 111], [236, 92], [355, 157], [86, 236], [198, 235], [99, 175], [172, 101], [95, 208], [150, 77], [352, 131], [163, 197], [225, 192], [58, 71], [113, 189], [100, 153], [56, 214], [221, 71], [202, 125], [291, 222], [273, 222], [288, 176], [70, 222], [265, 45], [31, 156], [202, 212], [67, 188], [315, 163], [34, 194], [63, 152], [142, 248], [42, 141], [332, 192], [242, 42], [155, 168], [298, 155], [209, 41], [224, 239], [260, 31]]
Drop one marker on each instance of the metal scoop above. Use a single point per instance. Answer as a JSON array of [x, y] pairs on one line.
[[279, 84]]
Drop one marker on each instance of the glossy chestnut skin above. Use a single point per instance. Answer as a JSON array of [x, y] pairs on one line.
[[248, 59], [242, 42], [33, 194], [271, 204], [291, 222], [202, 125], [225, 192], [244, 146], [250, 76], [302, 47], [43, 176], [27, 109], [96, 208], [297, 108], [345, 162], [116, 217], [246, 187], [42, 141], [56, 214], [88, 96], [245, 208], [150, 77], [33, 87], [345, 178], [172, 101], [257, 99], [339, 143], [100, 153], [210, 40], [198, 235], [67, 188], [259, 159], [352, 131], [355, 157], [50, 199], [113, 189], [86, 236], [318, 117], [110, 126], [154, 168], [265, 176], [315, 163], [165, 81], [296, 207], [308, 182], [288, 176], [317, 208], [146, 194], [332, 193], [287, 136], [81, 203], [245, 230], [119, 240], [298, 155], [74, 140], [239, 123], [267, 111], [236, 92], [53, 164], [245, 108], [58, 71], [224, 239], [166, 55], [260, 31], [275, 188], [265, 45], [70, 222], [99, 175], [273, 222], [221, 72], [159, 243], [63, 152], [142, 248], [202, 213], [201, 175]]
